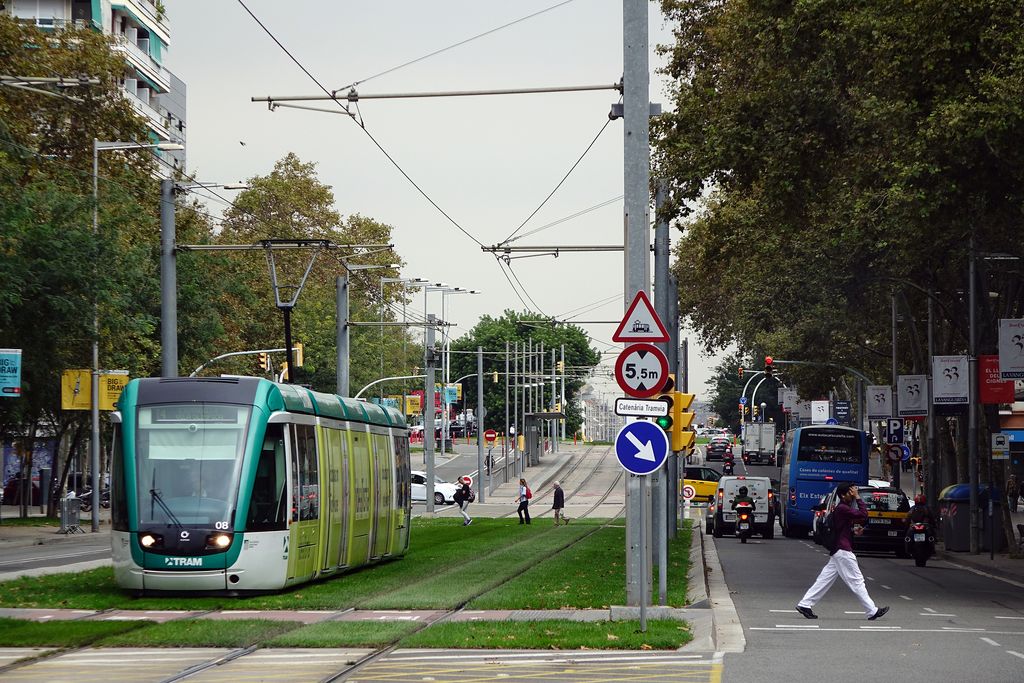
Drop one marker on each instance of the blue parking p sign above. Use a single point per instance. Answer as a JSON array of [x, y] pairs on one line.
[[641, 447], [894, 430]]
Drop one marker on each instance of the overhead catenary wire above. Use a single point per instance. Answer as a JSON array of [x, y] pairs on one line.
[[362, 127], [455, 45], [560, 182]]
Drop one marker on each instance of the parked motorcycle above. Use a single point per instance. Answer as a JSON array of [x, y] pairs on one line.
[[920, 542], [86, 500], [744, 521]]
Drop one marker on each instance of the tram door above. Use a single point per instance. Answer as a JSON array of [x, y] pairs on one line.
[[337, 501], [384, 488], [305, 502]]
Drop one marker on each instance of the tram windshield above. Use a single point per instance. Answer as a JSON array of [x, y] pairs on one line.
[[188, 459]]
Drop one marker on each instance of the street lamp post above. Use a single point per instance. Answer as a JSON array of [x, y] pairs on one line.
[[94, 445]]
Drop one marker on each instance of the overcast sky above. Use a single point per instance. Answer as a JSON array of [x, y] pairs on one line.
[[487, 162]]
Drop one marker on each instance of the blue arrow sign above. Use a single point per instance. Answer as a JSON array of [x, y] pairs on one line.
[[743, 400], [641, 447], [831, 421]]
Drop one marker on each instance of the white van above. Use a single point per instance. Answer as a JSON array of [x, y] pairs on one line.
[[722, 518]]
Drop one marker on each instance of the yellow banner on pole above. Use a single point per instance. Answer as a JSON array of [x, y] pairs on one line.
[[413, 405], [76, 389]]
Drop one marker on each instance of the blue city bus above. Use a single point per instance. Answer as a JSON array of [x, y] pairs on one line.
[[814, 461]]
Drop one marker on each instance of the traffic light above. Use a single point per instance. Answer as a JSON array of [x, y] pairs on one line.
[[755, 413], [682, 437], [741, 372], [769, 369], [297, 350], [560, 367], [668, 396], [264, 360], [495, 376]]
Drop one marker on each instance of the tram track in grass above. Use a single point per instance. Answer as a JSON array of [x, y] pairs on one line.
[[565, 543]]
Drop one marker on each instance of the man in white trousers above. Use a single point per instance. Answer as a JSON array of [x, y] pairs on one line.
[[843, 563]]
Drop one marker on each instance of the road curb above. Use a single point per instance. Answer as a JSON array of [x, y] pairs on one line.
[[727, 630]]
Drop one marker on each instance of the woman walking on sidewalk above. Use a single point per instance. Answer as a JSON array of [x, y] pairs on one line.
[[524, 502]]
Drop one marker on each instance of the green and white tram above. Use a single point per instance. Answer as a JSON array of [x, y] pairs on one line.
[[234, 484]]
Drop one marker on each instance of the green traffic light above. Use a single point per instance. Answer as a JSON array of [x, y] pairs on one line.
[[665, 422]]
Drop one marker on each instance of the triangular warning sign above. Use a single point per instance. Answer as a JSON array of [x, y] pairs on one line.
[[641, 323]]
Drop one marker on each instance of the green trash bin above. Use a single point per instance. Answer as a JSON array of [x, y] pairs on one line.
[[955, 512]]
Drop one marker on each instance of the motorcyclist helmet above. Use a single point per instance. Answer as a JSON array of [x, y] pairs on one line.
[[743, 490], [920, 499]]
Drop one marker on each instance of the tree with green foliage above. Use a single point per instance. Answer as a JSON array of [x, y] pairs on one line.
[[291, 203], [492, 334], [837, 151]]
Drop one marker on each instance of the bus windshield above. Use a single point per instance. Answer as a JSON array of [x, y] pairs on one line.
[[830, 446], [188, 461]]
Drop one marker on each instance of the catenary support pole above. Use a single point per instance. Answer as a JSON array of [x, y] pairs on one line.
[[168, 284], [636, 180], [480, 424], [896, 466], [341, 331], [672, 498], [932, 482], [562, 393], [429, 363], [507, 433]]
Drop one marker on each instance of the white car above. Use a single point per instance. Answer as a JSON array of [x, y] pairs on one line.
[[444, 491]]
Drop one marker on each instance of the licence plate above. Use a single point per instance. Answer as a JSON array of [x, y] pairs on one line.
[[879, 520], [919, 537], [744, 526], [894, 532]]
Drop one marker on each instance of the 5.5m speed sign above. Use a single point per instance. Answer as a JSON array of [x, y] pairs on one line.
[[641, 370]]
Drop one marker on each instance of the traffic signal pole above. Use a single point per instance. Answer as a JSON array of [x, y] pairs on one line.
[[659, 478]]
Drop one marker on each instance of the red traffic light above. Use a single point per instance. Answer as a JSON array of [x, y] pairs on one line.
[[741, 372], [767, 360]]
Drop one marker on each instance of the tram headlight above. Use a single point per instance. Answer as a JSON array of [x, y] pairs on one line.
[[149, 540], [218, 541]]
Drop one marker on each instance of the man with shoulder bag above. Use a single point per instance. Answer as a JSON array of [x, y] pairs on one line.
[[842, 563]]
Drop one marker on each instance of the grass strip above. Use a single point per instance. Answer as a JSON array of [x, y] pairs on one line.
[[469, 574], [591, 574], [345, 634], [202, 633], [23, 633], [552, 634], [50, 523]]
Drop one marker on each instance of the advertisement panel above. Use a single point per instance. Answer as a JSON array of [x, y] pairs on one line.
[[10, 373], [950, 381], [992, 389], [1011, 348], [879, 401], [414, 404], [912, 395]]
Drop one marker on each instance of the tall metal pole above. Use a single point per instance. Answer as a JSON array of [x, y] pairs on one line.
[[932, 481], [541, 407], [504, 439], [972, 401], [94, 442], [673, 362], [168, 284], [480, 423], [659, 478], [636, 174], [561, 395], [515, 411], [429, 360], [896, 467], [342, 333]]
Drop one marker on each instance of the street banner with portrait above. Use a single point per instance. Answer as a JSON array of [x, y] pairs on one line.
[[911, 395], [950, 380]]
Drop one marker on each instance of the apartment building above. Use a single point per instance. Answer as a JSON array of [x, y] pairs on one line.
[[141, 33]]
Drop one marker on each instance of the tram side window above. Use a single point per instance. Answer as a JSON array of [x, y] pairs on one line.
[[306, 482], [268, 505]]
